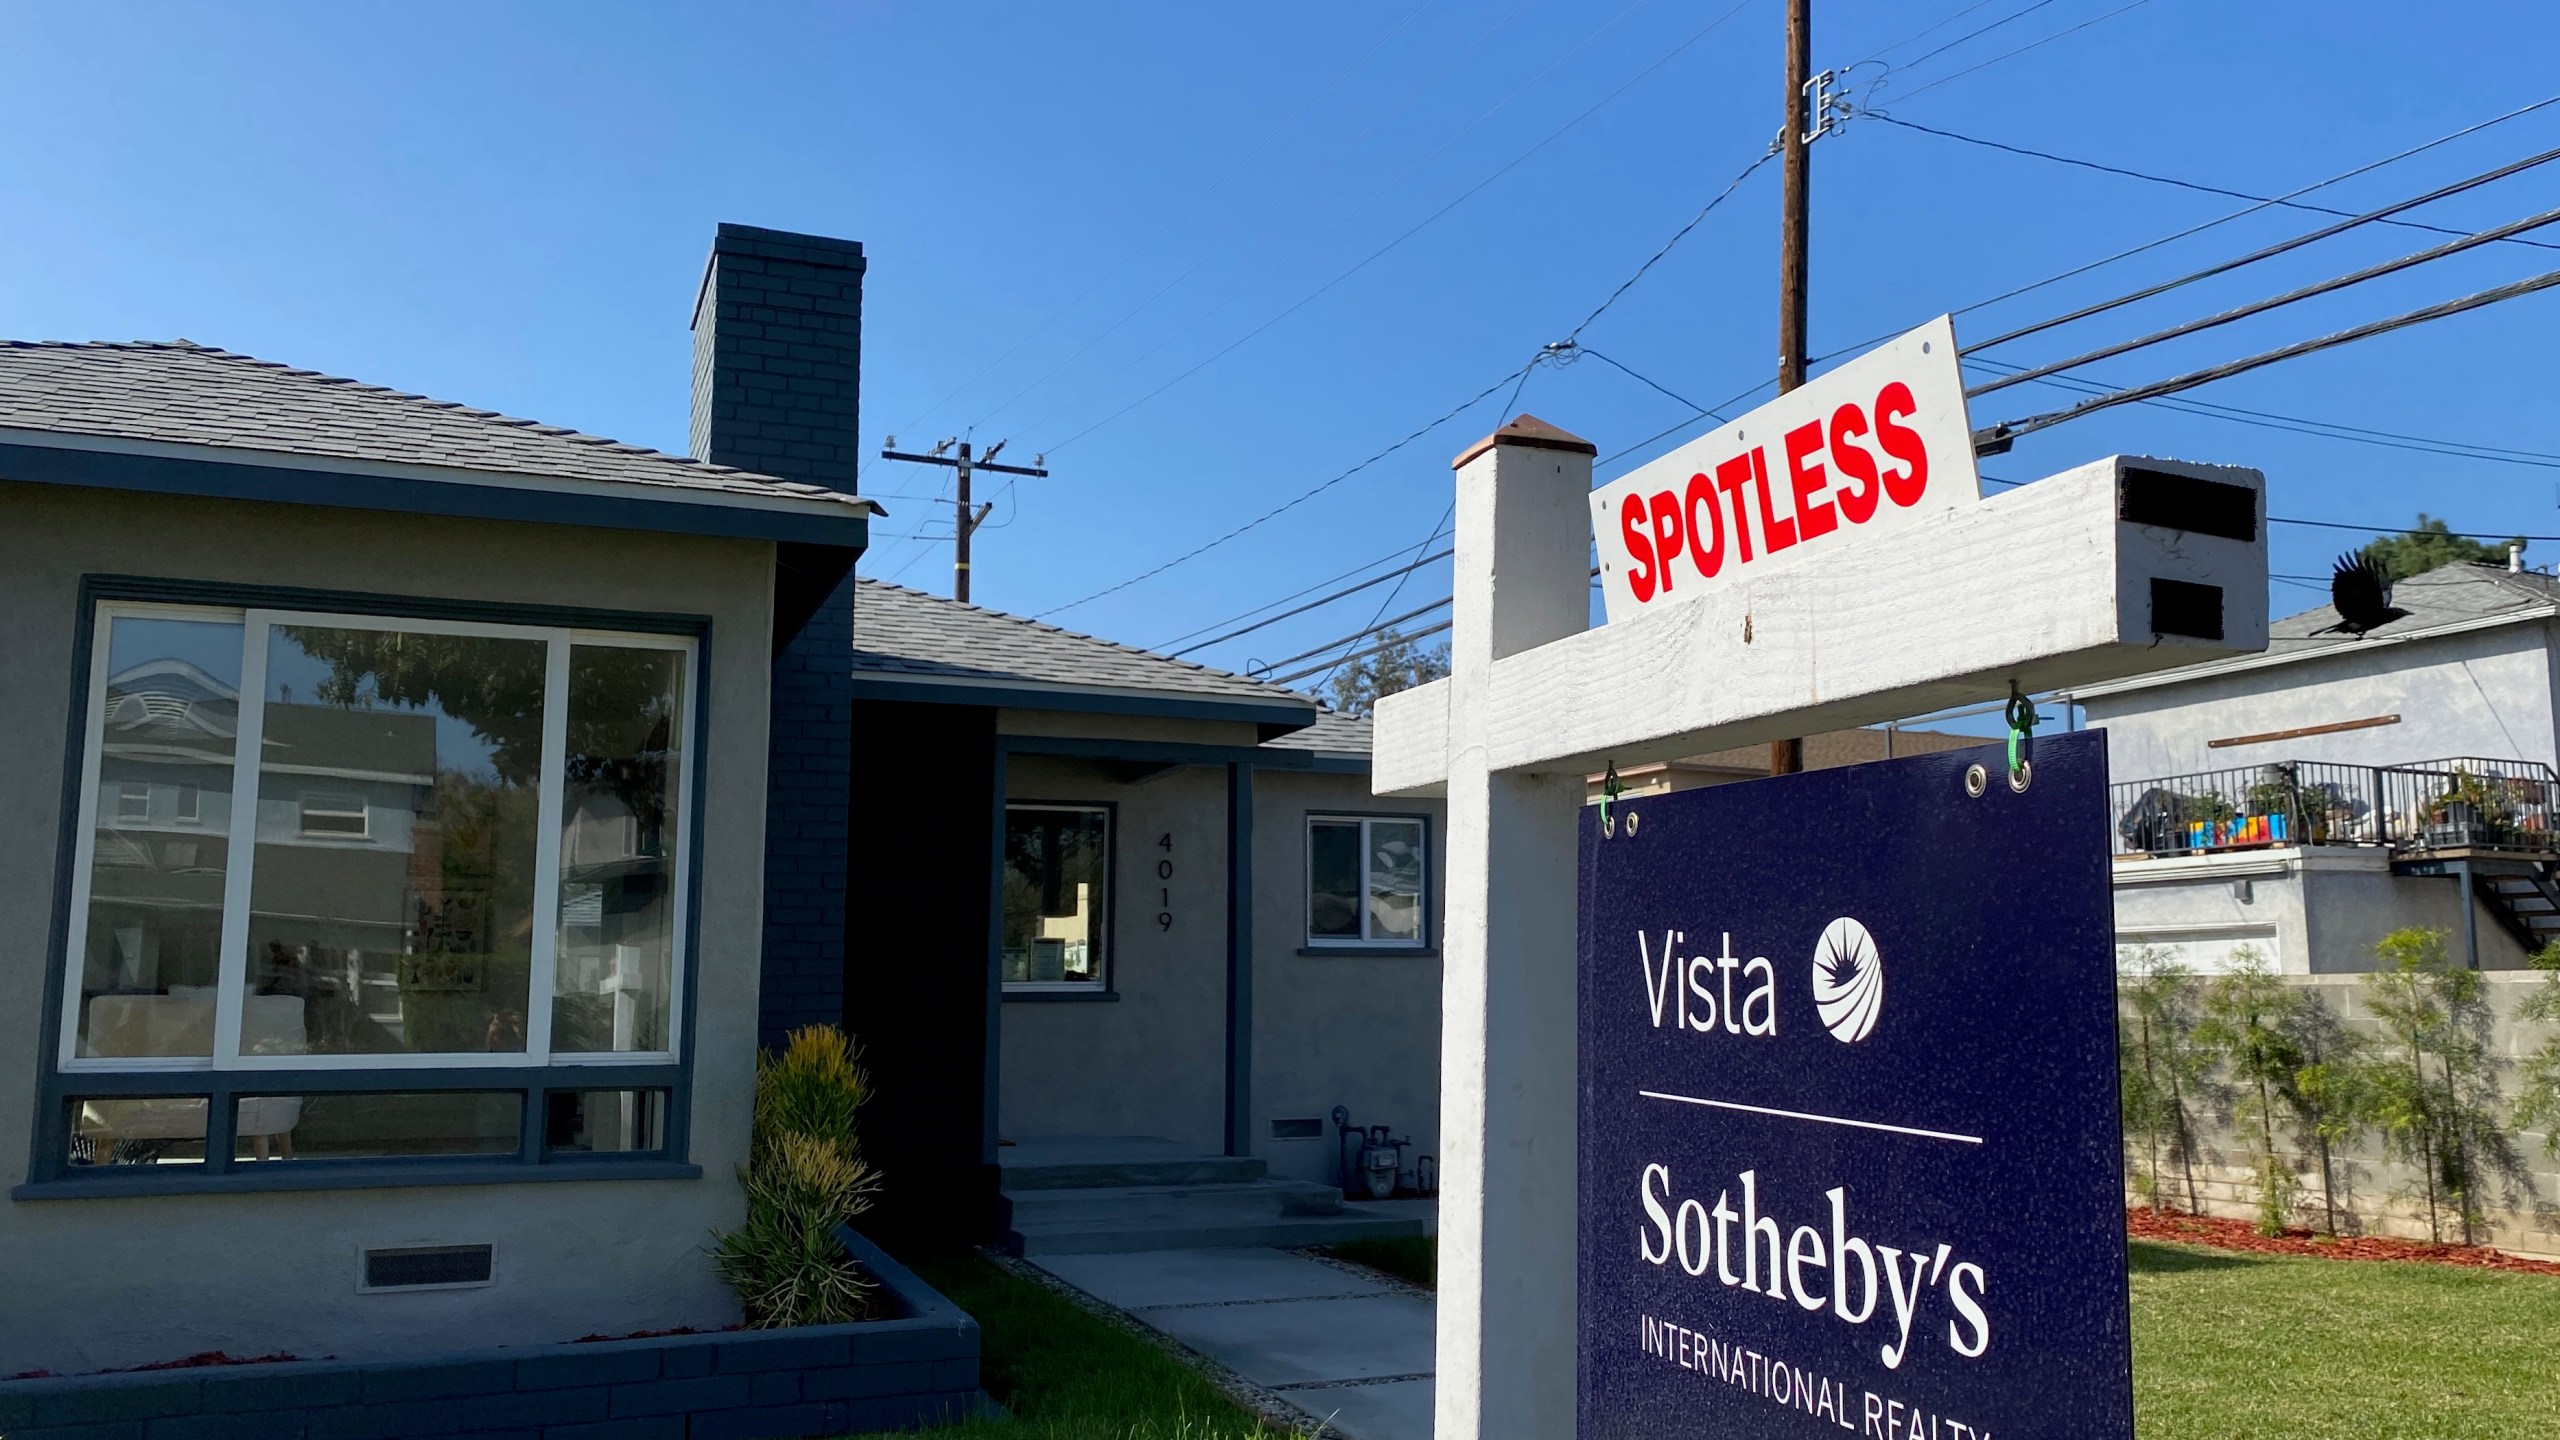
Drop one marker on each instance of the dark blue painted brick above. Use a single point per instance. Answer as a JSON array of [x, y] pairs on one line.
[[676, 1397], [120, 1400], [589, 1365], [771, 1422], [657, 1427], [920, 1342], [400, 1421], [853, 1382], [774, 1387], [104, 1430], [683, 1362], [433, 1382], [283, 1390], [537, 1407], [258, 1425]]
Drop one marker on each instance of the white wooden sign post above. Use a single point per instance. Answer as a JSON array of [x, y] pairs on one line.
[[2119, 567]]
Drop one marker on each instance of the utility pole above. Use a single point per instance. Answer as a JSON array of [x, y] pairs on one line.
[[1786, 757], [966, 518]]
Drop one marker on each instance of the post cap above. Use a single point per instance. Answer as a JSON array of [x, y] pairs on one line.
[[1529, 432]]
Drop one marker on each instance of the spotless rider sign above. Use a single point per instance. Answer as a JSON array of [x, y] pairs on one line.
[[1849, 1145], [1860, 449]]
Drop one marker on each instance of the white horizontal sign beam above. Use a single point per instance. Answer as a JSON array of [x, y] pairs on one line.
[[2121, 567]]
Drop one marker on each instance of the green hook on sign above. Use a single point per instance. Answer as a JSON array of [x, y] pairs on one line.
[[2022, 727]]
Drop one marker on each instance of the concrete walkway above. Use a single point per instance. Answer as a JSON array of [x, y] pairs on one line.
[[1353, 1352]]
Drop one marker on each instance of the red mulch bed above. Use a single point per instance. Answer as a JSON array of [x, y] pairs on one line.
[[192, 1362], [2241, 1235]]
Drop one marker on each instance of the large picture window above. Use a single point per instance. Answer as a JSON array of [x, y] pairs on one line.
[[1365, 881], [1057, 897], [327, 844]]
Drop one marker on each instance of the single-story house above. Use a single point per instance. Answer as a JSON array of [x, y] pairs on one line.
[[423, 816], [383, 873], [2306, 801]]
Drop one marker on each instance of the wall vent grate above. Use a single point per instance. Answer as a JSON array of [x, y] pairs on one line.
[[1308, 1128], [423, 1267]]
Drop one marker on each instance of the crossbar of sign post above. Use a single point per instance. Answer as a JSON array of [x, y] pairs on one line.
[[1806, 1200]]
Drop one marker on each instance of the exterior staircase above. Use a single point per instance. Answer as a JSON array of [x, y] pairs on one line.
[[2525, 898], [1112, 1195]]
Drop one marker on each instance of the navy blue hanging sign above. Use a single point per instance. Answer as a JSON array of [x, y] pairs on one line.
[[1849, 1137]]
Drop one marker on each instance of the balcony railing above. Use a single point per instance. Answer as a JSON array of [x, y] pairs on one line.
[[2470, 803]]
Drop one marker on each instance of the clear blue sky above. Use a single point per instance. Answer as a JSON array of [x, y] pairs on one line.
[[1067, 206]]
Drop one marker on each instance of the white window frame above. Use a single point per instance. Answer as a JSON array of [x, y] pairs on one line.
[[1422, 935], [232, 972], [1107, 921], [358, 811]]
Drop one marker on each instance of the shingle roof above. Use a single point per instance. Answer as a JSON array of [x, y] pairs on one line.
[[898, 631], [181, 393], [2457, 594], [1334, 733]]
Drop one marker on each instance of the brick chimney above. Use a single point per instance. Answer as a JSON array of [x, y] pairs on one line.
[[777, 388], [777, 355]]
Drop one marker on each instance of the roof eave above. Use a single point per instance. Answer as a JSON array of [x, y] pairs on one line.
[[1273, 718], [2272, 659], [220, 472]]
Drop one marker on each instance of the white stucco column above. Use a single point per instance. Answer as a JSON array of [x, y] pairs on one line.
[[1506, 1313]]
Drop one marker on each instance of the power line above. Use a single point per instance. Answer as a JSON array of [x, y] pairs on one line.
[[1921, 34], [1424, 632], [1656, 386], [1316, 604], [2198, 229], [1353, 638], [1202, 198], [2260, 307], [1211, 253], [1248, 614], [2265, 252], [2002, 434], [1972, 35], [2023, 49], [2295, 424], [1300, 499], [2378, 531], [2143, 175], [1676, 237], [1469, 193]]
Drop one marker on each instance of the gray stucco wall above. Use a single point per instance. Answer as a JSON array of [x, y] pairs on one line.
[[2315, 911], [1361, 1031], [95, 1282], [1153, 1061], [2481, 692]]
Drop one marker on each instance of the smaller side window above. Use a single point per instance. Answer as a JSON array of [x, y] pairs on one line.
[[133, 803], [190, 802], [1366, 881], [335, 813]]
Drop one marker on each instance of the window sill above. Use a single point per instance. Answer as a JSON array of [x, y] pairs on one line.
[[1065, 997], [1369, 952], [349, 1175]]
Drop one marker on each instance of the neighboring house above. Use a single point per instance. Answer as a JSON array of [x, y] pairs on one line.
[[2308, 800], [1827, 751], [380, 944], [1145, 927]]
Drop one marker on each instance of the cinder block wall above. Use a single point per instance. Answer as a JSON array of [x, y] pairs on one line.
[[2377, 1194], [777, 381]]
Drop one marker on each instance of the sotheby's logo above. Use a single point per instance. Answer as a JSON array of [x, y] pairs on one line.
[[1848, 981]]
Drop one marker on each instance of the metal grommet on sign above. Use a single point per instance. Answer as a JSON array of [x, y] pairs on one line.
[[1611, 787], [1976, 780], [2022, 777], [1632, 818]]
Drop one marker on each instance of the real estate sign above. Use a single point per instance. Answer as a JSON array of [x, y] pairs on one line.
[[1860, 450], [1849, 1138]]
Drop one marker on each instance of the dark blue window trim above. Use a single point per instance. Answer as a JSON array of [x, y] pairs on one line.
[[1109, 989], [609, 508], [48, 1174]]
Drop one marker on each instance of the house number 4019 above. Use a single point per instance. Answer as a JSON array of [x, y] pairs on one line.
[[1164, 872]]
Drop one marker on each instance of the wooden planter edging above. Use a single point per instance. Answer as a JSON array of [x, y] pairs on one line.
[[920, 1369]]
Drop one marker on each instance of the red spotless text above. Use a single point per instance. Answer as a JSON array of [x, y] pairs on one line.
[[1861, 449]]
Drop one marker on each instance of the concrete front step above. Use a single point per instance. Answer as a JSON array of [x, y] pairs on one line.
[[1127, 1235], [1243, 1200], [1118, 1161]]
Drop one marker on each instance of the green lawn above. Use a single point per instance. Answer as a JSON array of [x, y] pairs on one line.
[[2248, 1347], [2226, 1346], [1065, 1375]]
